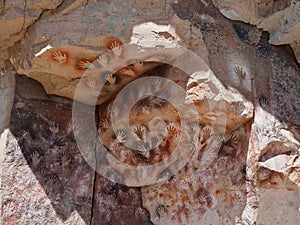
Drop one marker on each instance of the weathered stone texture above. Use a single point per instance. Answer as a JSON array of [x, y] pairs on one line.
[[7, 88], [280, 18], [199, 116]]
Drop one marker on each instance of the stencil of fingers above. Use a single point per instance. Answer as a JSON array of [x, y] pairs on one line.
[[172, 130], [85, 64], [54, 127], [207, 158], [116, 48], [145, 107], [206, 132], [59, 56], [121, 136], [115, 110], [197, 141], [115, 147], [142, 150], [104, 124], [35, 159], [139, 132], [125, 154], [215, 141], [74, 125], [103, 60], [154, 140], [263, 101], [161, 211], [13, 60], [110, 78], [91, 82], [238, 108], [127, 72], [240, 73], [26, 64], [195, 126]]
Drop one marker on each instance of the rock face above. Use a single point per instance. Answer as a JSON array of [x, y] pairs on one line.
[[44, 174], [7, 87], [280, 18], [130, 112]]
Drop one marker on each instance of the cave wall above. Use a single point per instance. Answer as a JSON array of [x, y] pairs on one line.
[[149, 112]]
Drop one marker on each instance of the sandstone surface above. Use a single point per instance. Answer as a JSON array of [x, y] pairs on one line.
[[150, 112]]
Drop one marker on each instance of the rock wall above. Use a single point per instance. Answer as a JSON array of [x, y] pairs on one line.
[[149, 112], [280, 18]]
